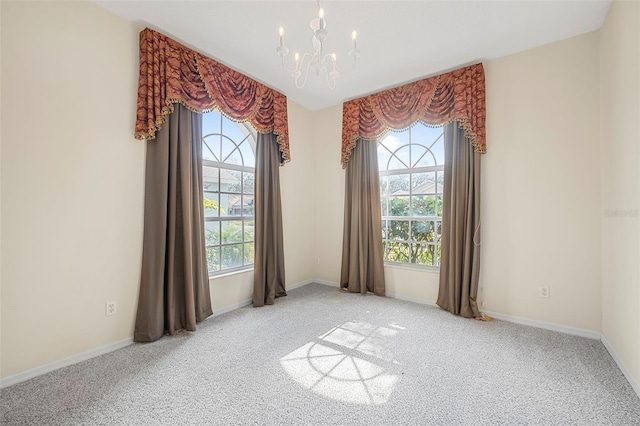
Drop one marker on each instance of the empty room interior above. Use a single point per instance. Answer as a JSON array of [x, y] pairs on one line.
[[144, 275]]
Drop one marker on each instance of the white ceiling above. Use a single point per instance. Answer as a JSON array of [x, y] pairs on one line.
[[400, 41]]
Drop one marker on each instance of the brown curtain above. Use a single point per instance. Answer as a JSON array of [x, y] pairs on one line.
[[362, 257], [460, 258], [174, 286], [268, 269]]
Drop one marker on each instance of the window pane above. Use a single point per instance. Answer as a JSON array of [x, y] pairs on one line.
[[235, 204], [423, 254], [210, 178], [400, 159], [249, 231], [423, 231], [394, 140], [247, 205], [248, 182], [211, 147], [384, 203], [211, 122], [248, 254], [213, 259], [423, 183], [231, 232], [230, 180], [423, 205], [247, 153], [230, 155], [211, 233], [384, 229], [383, 157], [232, 129], [438, 148], [231, 256], [211, 204], [384, 185], [397, 252], [421, 156], [399, 184], [399, 206], [224, 204], [399, 230]]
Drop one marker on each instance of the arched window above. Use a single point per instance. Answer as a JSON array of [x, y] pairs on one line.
[[228, 151], [411, 165]]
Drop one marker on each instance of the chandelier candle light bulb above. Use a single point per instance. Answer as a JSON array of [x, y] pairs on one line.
[[317, 60]]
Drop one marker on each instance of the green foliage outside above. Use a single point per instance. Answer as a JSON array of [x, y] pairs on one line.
[[413, 241], [229, 256], [211, 204]]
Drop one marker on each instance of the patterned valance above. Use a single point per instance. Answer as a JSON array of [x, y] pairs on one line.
[[458, 95], [171, 73]]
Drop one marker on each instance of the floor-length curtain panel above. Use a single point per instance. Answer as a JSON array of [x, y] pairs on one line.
[[362, 257], [268, 268], [460, 255], [174, 287]]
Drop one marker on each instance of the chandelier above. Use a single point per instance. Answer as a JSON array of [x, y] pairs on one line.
[[318, 61]]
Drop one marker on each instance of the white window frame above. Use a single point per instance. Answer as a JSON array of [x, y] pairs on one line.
[[385, 197], [250, 136]]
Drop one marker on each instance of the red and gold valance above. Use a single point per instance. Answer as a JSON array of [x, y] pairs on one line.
[[171, 73], [458, 95]]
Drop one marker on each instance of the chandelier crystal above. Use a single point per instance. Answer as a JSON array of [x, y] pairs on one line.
[[318, 61]]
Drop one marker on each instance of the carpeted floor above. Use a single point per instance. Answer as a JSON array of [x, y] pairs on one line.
[[320, 356]]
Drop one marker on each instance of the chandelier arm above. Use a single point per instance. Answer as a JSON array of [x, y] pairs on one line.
[[284, 66], [333, 80], [306, 72]]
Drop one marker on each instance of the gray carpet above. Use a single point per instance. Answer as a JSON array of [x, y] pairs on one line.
[[320, 356]]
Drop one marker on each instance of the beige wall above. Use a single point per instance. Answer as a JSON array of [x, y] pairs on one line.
[[620, 140], [328, 190], [541, 215], [72, 181], [540, 203]]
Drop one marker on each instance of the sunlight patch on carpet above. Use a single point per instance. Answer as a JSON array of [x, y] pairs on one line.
[[349, 363]]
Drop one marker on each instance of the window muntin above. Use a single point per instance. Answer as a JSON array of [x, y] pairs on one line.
[[228, 151], [411, 166]]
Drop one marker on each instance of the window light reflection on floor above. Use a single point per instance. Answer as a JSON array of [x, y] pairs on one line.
[[350, 363]]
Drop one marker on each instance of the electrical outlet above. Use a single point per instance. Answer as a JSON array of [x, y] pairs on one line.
[[317, 260], [110, 308], [543, 292]]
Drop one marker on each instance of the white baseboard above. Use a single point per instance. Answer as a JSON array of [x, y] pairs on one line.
[[546, 325], [229, 308], [300, 284], [411, 299], [73, 359], [325, 282], [635, 385]]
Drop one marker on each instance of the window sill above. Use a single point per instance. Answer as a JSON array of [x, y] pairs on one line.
[[413, 267], [230, 273]]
